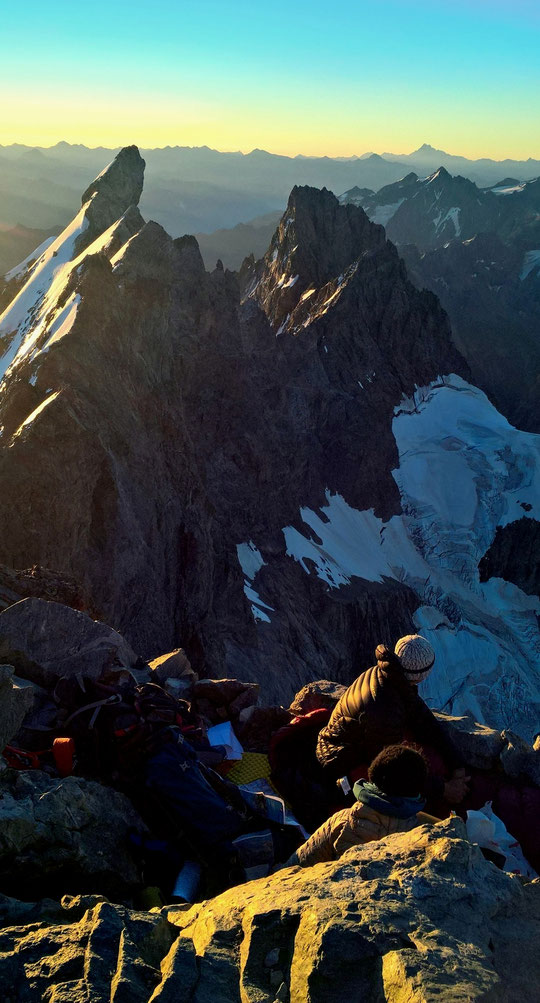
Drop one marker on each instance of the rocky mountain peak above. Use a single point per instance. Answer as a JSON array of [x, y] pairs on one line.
[[505, 183], [190, 257], [46, 304], [317, 240], [337, 234], [108, 197], [426, 148], [441, 174], [121, 180]]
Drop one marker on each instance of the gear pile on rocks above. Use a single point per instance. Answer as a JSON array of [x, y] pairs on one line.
[[415, 916]]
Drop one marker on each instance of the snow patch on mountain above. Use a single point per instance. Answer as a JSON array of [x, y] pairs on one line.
[[384, 213], [530, 262], [452, 214], [463, 471], [32, 258], [251, 562], [507, 191], [37, 411], [63, 322], [34, 312], [43, 286]]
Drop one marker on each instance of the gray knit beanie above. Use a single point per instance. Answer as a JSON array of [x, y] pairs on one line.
[[416, 656]]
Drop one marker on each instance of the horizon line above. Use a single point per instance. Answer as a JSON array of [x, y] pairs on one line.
[[243, 153]]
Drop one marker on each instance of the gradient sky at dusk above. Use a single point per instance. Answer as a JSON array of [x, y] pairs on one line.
[[290, 77]]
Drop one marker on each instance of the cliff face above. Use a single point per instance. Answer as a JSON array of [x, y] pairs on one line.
[[493, 300], [215, 459]]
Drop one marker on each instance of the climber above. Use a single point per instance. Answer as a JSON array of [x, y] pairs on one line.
[[390, 801], [381, 707]]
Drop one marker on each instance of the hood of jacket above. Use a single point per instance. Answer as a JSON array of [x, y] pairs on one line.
[[395, 807]]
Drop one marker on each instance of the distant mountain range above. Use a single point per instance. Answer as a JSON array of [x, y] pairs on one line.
[[196, 189], [430, 211], [484, 171]]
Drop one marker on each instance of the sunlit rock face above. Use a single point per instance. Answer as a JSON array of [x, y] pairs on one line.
[[252, 472], [417, 916]]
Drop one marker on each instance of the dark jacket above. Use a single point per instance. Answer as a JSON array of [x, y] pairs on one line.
[[380, 708]]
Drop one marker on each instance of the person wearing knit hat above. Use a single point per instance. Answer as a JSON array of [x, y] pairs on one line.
[[416, 656], [383, 707]]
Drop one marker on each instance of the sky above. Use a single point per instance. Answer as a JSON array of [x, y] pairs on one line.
[[290, 77]]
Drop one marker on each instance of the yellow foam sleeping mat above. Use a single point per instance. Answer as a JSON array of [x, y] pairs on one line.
[[252, 766]]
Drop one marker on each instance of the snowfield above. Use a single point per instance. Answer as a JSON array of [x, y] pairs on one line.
[[251, 563], [28, 311], [33, 317]]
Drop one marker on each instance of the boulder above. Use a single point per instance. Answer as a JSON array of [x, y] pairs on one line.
[[82, 949], [319, 693], [479, 745], [519, 759], [256, 725], [46, 640], [15, 703], [224, 699], [180, 689], [64, 835], [39, 726], [174, 665], [42, 583], [415, 917], [222, 692]]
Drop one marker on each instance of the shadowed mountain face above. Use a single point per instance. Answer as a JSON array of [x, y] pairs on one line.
[[234, 462], [493, 301]]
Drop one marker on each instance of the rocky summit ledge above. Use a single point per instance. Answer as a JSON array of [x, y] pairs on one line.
[[416, 917]]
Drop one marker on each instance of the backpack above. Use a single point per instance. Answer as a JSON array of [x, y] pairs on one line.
[[114, 721]]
